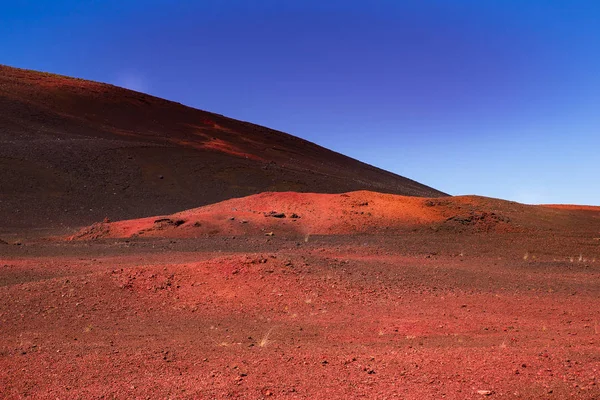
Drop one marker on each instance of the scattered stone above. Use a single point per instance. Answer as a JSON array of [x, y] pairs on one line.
[[275, 214], [295, 216], [3, 242], [474, 218], [269, 234], [162, 223], [485, 392]]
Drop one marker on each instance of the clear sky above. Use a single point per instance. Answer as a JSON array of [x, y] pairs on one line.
[[498, 97]]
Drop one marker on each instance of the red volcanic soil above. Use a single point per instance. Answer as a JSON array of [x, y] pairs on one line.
[[300, 214], [421, 315], [73, 152], [360, 295]]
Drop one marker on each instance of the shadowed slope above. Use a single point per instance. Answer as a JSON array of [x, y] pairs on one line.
[[74, 151]]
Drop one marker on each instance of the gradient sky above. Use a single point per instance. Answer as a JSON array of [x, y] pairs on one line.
[[496, 98]]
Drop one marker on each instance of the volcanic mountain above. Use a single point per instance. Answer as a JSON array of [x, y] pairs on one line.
[[74, 152]]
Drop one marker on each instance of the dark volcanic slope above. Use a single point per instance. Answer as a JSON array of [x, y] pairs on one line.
[[73, 152]]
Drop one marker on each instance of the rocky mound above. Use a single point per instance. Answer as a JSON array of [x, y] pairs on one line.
[[362, 212]]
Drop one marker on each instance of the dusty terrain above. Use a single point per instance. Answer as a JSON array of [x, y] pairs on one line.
[[445, 301], [150, 250], [73, 152]]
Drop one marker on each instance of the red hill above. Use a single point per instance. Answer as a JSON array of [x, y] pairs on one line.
[[363, 212]]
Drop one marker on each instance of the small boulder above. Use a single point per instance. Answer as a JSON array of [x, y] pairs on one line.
[[275, 214], [162, 223]]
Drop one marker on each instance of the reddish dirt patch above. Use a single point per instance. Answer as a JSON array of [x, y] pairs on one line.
[[228, 148]]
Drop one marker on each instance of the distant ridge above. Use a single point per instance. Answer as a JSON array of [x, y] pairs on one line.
[[74, 151]]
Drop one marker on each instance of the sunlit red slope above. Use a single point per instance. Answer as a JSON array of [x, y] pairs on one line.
[[74, 151], [574, 207], [301, 214]]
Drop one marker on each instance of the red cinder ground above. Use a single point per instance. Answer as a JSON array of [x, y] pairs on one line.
[[450, 303]]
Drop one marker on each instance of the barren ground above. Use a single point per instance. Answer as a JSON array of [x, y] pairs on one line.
[[415, 315]]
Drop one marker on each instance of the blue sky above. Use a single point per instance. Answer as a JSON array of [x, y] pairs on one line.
[[496, 98]]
